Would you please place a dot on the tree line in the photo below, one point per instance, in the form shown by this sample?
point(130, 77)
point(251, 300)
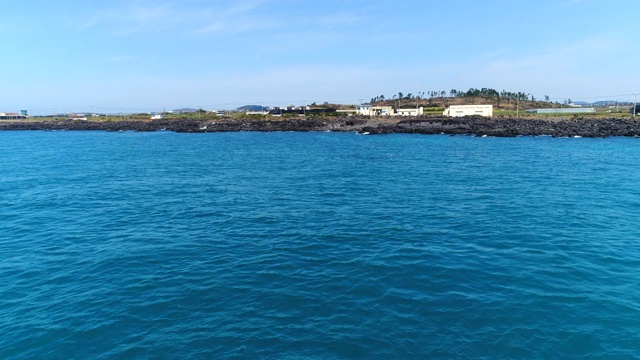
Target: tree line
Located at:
point(486, 93)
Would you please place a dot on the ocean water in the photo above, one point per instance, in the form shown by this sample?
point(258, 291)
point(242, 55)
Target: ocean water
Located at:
point(318, 246)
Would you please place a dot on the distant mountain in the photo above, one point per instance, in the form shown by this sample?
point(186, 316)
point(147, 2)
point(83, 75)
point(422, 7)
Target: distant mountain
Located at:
point(253, 108)
point(184, 110)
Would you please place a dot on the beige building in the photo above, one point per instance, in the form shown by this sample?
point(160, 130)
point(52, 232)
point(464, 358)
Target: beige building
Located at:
point(468, 110)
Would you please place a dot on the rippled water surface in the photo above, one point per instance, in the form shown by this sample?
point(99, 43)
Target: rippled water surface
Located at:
point(317, 245)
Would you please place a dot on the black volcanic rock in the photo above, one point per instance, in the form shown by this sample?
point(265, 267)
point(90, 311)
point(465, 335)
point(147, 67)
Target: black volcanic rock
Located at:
point(500, 127)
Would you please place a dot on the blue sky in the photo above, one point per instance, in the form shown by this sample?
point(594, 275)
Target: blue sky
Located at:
point(151, 55)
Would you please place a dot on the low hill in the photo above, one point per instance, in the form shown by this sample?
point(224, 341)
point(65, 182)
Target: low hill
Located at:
point(253, 108)
point(503, 104)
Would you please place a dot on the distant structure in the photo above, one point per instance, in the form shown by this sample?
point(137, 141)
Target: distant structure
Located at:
point(74, 116)
point(11, 116)
point(254, 109)
point(468, 110)
point(257, 112)
point(573, 110)
point(156, 117)
point(303, 110)
point(370, 110)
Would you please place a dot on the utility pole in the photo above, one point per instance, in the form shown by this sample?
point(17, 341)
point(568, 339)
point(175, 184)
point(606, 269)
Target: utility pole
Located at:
point(634, 103)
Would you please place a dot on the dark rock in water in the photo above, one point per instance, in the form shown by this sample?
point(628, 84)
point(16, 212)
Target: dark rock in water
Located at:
point(498, 127)
point(509, 127)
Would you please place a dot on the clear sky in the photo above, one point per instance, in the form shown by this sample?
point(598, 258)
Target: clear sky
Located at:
point(163, 54)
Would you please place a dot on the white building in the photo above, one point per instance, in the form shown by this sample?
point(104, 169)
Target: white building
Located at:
point(468, 110)
point(410, 111)
point(370, 110)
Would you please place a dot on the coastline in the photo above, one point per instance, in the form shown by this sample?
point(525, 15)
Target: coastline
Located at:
point(478, 126)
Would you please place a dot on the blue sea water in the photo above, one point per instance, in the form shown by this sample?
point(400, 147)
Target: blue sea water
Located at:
point(318, 246)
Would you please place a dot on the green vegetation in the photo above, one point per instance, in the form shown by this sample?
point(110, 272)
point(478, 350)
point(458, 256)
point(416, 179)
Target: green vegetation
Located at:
point(434, 110)
point(505, 103)
point(486, 95)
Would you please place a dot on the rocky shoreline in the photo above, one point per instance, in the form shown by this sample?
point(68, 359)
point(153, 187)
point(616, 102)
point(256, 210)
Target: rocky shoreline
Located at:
point(478, 126)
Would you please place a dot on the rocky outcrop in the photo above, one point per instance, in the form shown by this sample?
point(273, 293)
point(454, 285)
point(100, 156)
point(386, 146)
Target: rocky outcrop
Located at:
point(479, 126)
point(509, 127)
point(193, 125)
